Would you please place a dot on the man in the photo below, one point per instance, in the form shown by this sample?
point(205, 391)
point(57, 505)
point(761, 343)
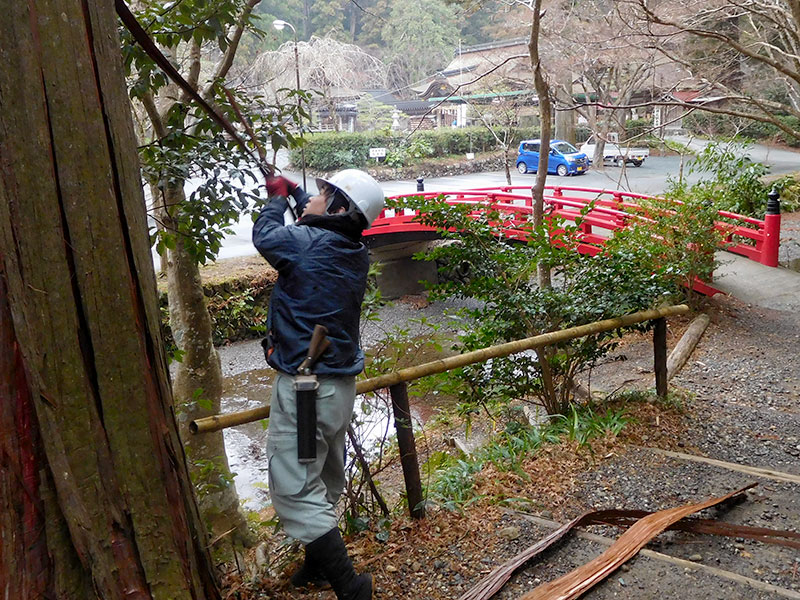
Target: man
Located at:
point(322, 275)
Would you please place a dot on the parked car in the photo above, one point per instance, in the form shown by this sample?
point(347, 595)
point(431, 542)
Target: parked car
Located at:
point(616, 154)
point(565, 159)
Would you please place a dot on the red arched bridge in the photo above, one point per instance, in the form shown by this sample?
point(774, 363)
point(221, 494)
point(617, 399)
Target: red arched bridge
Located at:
point(604, 212)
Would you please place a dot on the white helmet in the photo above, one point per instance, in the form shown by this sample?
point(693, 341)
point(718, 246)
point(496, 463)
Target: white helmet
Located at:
point(361, 189)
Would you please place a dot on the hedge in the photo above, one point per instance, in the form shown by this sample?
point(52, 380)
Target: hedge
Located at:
point(238, 305)
point(331, 151)
point(704, 123)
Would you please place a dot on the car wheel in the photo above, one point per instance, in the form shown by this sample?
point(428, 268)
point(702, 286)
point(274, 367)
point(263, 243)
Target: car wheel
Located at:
point(619, 161)
point(637, 163)
point(522, 167)
point(562, 170)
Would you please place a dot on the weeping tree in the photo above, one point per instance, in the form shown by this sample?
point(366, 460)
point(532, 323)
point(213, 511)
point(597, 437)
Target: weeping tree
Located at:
point(96, 499)
point(329, 69)
point(181, 143)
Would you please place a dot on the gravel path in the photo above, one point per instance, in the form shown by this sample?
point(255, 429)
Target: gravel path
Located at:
point(745, 382)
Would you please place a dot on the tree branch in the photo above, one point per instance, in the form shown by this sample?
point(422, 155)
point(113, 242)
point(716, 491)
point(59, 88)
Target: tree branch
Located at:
point(230, 52)
point(149, 103)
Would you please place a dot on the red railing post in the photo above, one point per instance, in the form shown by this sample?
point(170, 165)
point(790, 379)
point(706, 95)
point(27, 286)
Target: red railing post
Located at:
point(772, 230)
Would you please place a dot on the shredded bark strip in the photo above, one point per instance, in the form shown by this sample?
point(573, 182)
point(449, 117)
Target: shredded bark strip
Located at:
point(644, 527)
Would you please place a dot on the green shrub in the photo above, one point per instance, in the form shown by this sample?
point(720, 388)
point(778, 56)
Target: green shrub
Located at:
point(729, 180)
point(582, 133)
point(332, 151)
point(637, 128)
point(789, 189)
point(511, 306)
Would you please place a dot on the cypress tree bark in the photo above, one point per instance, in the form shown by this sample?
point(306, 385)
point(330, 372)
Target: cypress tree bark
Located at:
point(96, 499)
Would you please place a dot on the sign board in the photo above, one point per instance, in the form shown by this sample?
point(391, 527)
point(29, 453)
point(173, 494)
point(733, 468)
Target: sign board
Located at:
point(377, 152)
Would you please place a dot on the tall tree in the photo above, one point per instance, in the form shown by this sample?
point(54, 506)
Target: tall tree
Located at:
point(422, 35)
point(96, 500)
point(760, 38)
point(600, 58)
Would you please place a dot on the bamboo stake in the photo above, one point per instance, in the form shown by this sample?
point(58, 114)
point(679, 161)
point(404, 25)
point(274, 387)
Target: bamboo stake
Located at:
point(501, 350)
point(686, 345)
point(217, 422)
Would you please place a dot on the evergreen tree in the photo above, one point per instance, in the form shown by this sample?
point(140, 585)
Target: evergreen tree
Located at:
point(422, 35)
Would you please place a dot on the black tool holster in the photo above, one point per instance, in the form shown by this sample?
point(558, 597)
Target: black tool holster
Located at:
point(306, 387)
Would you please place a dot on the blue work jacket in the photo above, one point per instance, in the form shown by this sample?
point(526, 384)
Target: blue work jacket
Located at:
point(322, 277)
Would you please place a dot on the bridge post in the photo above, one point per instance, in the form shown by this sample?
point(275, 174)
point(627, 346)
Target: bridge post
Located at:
point(772, 230)
point(420, 184)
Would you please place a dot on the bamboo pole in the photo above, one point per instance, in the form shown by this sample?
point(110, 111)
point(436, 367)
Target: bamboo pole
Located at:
point(217, 422)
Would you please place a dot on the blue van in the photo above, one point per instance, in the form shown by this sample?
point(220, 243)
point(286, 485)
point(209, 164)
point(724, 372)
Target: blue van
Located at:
point(565, 159)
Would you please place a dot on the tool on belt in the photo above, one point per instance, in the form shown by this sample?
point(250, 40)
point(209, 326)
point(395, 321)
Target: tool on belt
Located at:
point(305, 390)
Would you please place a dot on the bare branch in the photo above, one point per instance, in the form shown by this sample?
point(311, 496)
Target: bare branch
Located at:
point(233, 45)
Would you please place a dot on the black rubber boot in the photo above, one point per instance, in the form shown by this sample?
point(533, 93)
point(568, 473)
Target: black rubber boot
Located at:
point(308, 575)
point(329, 553)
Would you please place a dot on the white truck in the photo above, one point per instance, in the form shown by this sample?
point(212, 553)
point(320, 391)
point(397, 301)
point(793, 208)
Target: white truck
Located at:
point(616, 154)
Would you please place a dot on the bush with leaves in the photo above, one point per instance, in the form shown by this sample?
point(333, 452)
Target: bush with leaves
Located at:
point(677, 241)
point(729, 180)
point(511, 306)
point(330, 151)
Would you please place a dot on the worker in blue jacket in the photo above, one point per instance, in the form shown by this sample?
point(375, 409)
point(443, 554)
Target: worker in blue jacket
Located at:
point(322, 269)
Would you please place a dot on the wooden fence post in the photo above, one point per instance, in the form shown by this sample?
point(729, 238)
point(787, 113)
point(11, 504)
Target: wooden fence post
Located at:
point(408, 449)
point(660, 356)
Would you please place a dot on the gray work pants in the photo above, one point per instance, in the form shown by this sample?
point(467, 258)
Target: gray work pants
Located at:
point(304, 495)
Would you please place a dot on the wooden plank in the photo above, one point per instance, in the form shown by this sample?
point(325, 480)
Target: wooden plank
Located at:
point(757, 471)
point(580, 580)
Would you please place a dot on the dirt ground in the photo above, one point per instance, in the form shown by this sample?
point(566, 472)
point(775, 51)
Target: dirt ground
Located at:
point(742, 390)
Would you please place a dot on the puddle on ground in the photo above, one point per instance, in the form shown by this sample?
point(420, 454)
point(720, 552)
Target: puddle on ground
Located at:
point(246, 444)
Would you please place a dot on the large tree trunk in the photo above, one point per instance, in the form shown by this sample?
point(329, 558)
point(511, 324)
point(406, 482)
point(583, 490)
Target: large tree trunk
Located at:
point(197, 387)
point(97, 501)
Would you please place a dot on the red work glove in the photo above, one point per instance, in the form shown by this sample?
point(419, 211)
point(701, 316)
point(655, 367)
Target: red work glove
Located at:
point(280, 186)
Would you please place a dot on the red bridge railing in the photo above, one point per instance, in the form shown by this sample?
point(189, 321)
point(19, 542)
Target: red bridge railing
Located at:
point(756, 239)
